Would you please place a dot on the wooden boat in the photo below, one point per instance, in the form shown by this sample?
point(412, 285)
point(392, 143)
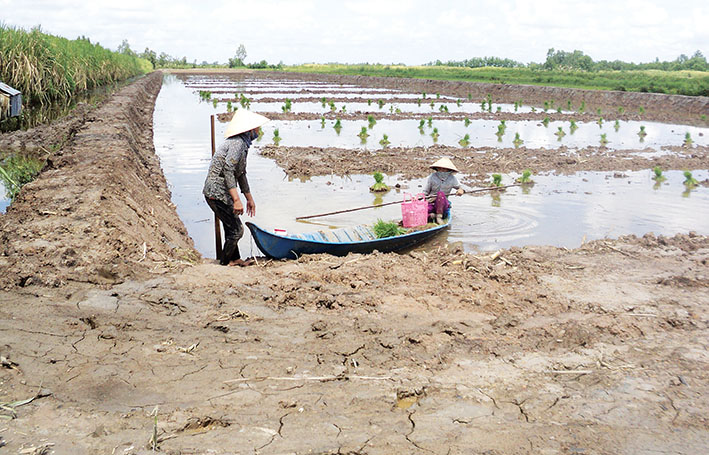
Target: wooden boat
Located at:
point(338, 242)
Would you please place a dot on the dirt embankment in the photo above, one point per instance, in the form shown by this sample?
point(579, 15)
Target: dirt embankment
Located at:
point(100, 210)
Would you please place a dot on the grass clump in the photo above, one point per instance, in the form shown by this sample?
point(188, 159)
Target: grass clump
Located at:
point(16, 171)
point(496, 180)
point(525, 178)
point(435, 135)
point(465, 141)
point(688, 139)
point(287, 106)
point(658, 177)
point(689, 180)
point(337, 126)
point(384, 142)
point(363, 134)
point(384, 229)
point(560, 133)
point(276, 136)
point(380, 103)
point(573, 126)
point(604, 140)
point(371, 121)
point(467, 121)
point(379, 185)
point(518, 140)
point(546, 121)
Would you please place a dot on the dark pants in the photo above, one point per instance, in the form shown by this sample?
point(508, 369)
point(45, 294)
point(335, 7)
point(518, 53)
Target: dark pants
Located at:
point(233, 230)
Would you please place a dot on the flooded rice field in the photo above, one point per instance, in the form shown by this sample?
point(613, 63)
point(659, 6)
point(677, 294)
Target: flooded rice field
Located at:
point(557, 210)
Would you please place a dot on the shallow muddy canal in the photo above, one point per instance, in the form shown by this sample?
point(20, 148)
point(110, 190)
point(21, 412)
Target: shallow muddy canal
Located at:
point(557, 210)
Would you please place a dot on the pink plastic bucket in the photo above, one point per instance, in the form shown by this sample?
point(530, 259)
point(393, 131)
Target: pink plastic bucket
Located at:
point(414, 211)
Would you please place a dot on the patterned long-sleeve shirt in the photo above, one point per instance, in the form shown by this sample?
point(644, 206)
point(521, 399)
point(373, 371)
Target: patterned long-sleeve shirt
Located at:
point(440, 181)
point(228, 168)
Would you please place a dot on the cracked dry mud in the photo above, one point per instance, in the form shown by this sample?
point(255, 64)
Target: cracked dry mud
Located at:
point(597, 350)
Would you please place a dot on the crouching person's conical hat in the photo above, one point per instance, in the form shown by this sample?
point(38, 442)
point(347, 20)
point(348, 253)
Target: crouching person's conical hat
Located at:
point(244, 120)
point(445, 163)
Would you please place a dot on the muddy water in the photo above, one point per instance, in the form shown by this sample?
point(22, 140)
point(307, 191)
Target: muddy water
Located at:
point(562, 211)
point(406, 133)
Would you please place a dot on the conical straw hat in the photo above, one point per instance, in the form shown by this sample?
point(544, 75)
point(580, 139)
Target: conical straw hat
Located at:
point(445, 163)
point(244, 120)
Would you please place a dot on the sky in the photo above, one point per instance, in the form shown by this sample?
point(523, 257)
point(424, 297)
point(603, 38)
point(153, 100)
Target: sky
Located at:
point(377, 31)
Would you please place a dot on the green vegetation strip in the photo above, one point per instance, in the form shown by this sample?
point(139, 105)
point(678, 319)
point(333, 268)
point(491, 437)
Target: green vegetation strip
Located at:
point(16, 171)
point(691, 83)
point(46, 67)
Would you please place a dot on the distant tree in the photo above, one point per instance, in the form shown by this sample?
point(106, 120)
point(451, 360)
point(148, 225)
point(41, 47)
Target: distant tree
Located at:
point(239, 57)
point(149, 55)
point(124, 48)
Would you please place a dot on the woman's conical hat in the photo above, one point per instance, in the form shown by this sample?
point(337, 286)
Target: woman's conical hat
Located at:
point(445, 163)
point(244, 120)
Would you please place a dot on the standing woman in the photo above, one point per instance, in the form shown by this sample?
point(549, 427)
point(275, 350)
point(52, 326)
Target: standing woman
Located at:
point(227, 169)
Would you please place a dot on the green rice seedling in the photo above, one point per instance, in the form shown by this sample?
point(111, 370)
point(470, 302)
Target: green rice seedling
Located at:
point(534, 109)
point(338, 126)
point(430, 121)
point(546, 105)
point(276, 136)
point(438, 96)
point(434, 135)
point(616, 125)
point(483, 105)
point(418, 101)
point(324, 101)
point(604, 140)
point(518, 140)
point(384, 229)
point(546, 120)
point(363, 134)
point(642, 133)
point(228, 106)
point(689, 180)
point(558, 110)
point(333, 108)
point(598, 111)
point(641, 110)
point(260, 135)
point(560, 133)
point(658, 177)
point(443, 108)
point(391, 109)
point(467, 121)
point(214, 103)
point(458, 102)
point(322, 122)
point(573, 126)
point(397, 111)
point(433, 104)
point(422, 123)
point(371, 121)
point(369, 102)
point(489, 100)
point(384, 142)
point(688, 139)
point(423, 95)
point(499, 109)
point(379, 185)
point(621, 110)
point(582, 108)
point(205, 95)
point(287, 106)
point(525, 178)
point(380, 103)
point(470, 96)
point(343, 109)
point(600, 121)
point(516, 106)
point(496, 180)
point(465, 141)
point(568, 106)
point(703, 117)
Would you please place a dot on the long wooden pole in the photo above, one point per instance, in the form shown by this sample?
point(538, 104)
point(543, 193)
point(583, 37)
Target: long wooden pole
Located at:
point(217, 228)
point(479, 190)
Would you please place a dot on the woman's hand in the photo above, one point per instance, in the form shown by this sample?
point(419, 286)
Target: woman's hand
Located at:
point(238, 207)
point(460, 192)
point(251, 208)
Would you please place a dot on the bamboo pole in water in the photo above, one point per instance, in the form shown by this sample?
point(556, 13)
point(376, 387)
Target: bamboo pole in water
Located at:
point(217, 229)
point(479, 190)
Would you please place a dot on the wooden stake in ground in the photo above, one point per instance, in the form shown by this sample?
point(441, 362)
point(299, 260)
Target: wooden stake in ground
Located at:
point(217, 229)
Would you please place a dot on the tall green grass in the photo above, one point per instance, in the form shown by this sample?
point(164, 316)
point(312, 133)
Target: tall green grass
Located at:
point(46, 67)
point(691, 83)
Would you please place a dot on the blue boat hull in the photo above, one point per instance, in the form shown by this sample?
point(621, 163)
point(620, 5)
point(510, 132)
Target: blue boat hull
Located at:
point(282, 247)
